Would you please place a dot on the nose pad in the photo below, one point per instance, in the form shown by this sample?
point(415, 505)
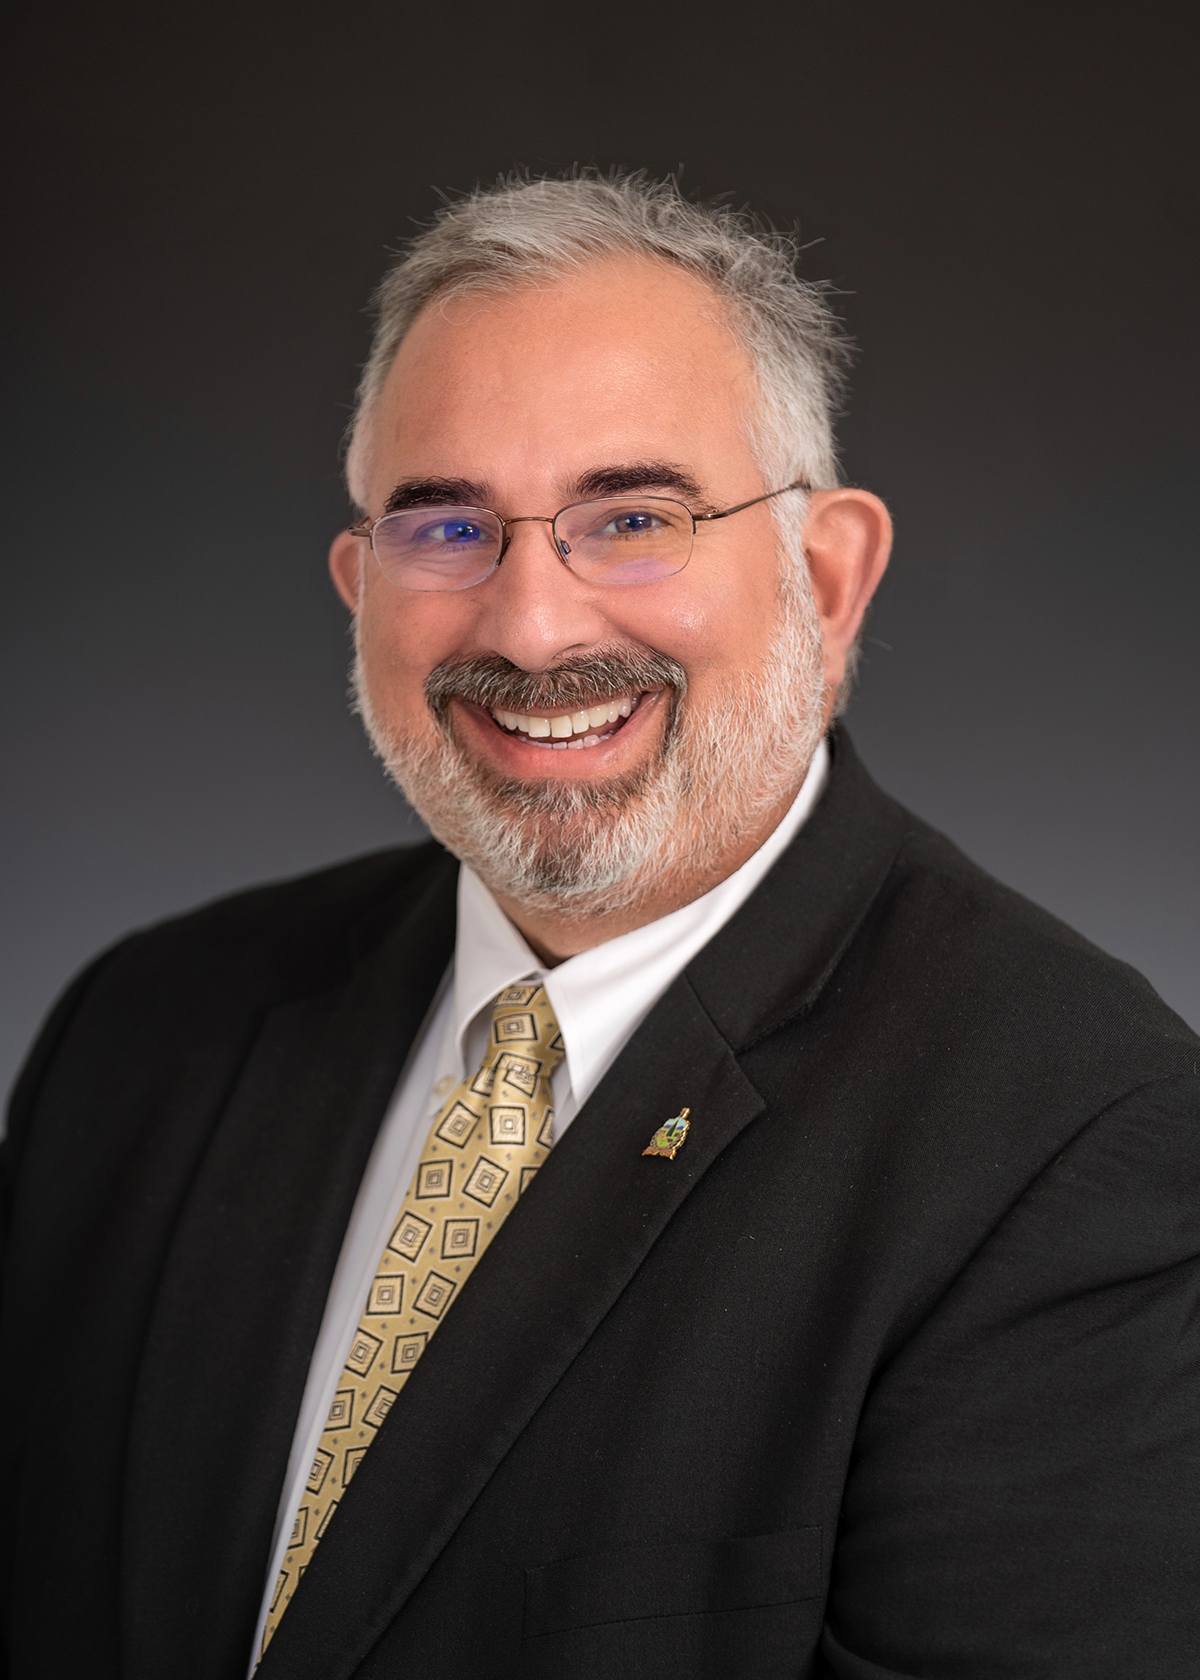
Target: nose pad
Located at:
point(561, 549)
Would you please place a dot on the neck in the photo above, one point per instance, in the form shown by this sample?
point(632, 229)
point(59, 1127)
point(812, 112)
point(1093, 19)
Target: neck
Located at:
point(554, 934)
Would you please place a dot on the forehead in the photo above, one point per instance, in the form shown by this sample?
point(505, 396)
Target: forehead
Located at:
point(624, 356)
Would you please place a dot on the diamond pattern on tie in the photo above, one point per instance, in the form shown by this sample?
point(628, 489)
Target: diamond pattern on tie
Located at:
point(486, 1143)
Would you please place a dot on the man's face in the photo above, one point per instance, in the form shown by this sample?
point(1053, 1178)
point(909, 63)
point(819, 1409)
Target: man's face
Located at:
point(529, 401)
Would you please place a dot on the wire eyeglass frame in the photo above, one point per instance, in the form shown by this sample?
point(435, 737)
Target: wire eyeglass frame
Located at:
point(368, 527)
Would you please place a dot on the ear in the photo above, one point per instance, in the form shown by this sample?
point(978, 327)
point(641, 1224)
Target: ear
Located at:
point(345, 567)
point(847, 539)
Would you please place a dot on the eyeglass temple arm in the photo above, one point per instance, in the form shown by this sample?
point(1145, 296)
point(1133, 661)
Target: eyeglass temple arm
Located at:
point(366, 524)
point(800, 484)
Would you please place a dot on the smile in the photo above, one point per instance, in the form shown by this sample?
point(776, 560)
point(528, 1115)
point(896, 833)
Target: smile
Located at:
point(587, 727)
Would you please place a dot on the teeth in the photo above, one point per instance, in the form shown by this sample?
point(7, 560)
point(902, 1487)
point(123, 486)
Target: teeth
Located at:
point(573, 729)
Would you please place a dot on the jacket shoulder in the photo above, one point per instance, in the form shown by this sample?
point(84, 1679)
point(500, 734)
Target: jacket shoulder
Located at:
point(242, 953)
point(283, 937)
point(980, 952)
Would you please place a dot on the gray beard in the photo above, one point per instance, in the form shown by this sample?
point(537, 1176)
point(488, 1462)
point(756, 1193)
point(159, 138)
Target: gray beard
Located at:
point(591, 848)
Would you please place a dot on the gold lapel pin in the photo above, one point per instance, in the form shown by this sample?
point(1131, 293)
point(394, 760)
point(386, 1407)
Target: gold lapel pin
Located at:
point(670, 1136)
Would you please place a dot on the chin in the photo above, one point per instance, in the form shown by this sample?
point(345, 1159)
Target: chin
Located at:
point(576, 846)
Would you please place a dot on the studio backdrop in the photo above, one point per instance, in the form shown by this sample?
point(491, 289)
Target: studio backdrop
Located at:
point(201, 201)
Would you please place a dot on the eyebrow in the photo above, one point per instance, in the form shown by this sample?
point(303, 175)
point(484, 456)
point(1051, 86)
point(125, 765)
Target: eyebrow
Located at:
point(435, 492)
point(619, 479)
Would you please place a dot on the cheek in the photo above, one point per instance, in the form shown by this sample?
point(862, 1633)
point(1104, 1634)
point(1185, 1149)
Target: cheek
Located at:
point(400, 644)
point(715, 624)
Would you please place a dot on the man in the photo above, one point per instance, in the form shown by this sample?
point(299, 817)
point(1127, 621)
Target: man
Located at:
point(711, 1230)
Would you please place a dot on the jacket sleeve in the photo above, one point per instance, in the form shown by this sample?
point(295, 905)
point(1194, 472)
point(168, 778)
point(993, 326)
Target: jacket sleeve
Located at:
point(1024, 1498)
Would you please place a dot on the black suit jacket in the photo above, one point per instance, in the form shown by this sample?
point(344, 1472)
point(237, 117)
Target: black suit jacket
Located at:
point(893, 1371)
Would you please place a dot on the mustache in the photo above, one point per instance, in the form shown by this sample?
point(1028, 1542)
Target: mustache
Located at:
point(494, 682)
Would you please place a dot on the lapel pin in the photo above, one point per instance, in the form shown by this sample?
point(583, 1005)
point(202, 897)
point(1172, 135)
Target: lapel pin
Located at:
point(669, 1136)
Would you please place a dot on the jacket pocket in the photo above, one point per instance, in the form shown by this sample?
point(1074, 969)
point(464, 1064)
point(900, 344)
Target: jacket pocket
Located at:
point(688, 1577)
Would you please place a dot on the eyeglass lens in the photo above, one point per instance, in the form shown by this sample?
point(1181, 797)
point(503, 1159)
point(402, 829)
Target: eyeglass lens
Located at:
point(620, 539)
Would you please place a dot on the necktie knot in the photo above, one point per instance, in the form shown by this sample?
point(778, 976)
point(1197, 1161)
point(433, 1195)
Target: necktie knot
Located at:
point(524, 1046)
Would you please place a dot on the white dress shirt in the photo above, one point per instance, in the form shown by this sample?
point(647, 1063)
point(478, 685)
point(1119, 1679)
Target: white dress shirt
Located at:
point(599, 997)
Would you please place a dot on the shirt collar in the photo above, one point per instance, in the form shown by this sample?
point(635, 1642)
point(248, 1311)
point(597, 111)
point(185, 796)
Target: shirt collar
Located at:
point(489, 954)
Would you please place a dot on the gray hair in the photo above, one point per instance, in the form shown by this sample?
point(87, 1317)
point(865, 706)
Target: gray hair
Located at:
point(524, 231)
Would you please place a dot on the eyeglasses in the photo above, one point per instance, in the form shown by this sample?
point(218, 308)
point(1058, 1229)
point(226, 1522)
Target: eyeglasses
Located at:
point(612, 539)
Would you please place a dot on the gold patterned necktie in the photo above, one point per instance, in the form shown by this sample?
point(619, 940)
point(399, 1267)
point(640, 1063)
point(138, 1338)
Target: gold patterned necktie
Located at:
point(487, 1141)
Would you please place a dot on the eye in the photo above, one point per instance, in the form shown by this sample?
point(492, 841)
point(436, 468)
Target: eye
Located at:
point(449, 533)
point(632, 522)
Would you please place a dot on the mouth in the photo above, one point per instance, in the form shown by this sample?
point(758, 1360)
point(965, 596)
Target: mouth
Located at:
point(588, 726)
point(611, 710)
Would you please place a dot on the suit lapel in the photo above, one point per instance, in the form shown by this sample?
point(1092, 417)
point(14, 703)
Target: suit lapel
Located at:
point(571, 1246)
point(242, 1294)
point(772, 960)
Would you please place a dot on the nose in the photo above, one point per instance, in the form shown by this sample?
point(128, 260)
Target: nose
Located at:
point(535, 608)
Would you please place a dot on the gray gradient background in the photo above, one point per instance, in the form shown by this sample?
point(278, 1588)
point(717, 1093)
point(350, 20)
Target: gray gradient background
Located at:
point(202, 199)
